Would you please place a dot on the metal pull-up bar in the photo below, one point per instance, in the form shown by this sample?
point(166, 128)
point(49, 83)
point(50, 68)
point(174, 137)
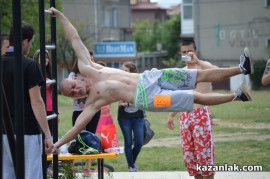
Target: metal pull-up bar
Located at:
point(53, 81)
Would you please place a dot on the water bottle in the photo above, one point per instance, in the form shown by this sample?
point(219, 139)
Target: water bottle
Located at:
point(114, 150)
point(64, 149)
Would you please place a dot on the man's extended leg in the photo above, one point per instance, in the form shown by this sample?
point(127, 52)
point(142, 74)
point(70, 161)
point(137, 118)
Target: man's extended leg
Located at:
point(219, 74)
point(241, 94)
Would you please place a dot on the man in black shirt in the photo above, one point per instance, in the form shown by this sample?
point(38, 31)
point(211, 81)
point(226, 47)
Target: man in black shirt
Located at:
point(34, 108)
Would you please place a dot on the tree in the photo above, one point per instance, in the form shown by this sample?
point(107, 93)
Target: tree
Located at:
point(64, 49)
point(29, 14)
point(148, 34)
point(171, 36)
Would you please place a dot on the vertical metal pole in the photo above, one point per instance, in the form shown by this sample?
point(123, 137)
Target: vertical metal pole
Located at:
point(19, 88)
point(96, 20)
point(196, 7)
point(54, 90)
point(1, 106)
point(43, 71)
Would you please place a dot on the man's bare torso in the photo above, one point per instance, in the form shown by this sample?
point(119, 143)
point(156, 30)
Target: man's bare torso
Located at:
point(203, 87)
point(110, 85)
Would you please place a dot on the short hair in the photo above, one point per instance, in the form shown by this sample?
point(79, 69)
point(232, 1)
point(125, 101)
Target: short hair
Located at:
point(61, 86)
point(131, 66)
point(27, 32)
point(188, 42)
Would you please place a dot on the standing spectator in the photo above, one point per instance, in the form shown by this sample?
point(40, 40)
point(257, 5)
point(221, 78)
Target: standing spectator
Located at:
point(4, 43)
point(131, 121)
point(266, 74)
point(78, 106)
point(34, 108)
point(195, 125)
point(49, 105)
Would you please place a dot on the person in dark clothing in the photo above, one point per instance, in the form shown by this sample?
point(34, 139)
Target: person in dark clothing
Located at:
point(34, 108)
point(131, 122)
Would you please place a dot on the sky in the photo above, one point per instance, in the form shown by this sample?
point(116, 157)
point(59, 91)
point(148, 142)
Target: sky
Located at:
point(167, 3)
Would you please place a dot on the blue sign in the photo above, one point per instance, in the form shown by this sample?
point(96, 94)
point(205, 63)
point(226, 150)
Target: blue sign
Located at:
point(115, 49)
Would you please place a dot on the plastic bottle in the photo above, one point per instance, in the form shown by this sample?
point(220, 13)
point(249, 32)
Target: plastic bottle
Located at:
point(64, 149)
point(115, 150)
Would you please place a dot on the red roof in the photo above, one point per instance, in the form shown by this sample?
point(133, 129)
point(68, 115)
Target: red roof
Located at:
point(146, 6)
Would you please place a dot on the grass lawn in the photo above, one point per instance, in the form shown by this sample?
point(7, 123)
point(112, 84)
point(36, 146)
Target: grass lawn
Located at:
point(245, 152)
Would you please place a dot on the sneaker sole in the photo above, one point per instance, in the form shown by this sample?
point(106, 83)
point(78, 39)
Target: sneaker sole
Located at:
point(244, 89)
point(247, 54)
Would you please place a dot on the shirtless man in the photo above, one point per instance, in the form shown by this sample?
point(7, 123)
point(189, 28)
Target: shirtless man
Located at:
point(195, 126)
point(155, 90)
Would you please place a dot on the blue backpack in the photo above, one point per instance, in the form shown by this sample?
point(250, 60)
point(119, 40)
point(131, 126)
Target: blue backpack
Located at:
point(85, 143)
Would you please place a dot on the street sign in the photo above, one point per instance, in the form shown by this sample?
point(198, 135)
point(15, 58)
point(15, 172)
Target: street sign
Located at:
point(115, 49)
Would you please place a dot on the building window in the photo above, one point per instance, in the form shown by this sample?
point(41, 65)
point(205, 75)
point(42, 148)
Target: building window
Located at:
point(268, 43)
point(106, 17)
point(187, 9)
point(267, 3)
point(157, 16)
point(115, 16)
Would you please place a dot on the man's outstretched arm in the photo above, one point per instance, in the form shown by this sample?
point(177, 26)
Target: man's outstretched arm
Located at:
point(74, 38)
point(83, 119)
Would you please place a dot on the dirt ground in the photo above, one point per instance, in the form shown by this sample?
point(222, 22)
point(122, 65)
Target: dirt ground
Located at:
point(221, 137)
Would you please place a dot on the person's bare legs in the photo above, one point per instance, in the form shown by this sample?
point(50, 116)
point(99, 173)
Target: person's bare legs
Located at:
point(219, 74)
point(216, 74)
point(212, 98)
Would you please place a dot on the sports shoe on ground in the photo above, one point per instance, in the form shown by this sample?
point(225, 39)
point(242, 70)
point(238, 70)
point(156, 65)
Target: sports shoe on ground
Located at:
point(246, 63)
point(132, 169)
point(136, 166)
point(86, 172)
point(242, 93)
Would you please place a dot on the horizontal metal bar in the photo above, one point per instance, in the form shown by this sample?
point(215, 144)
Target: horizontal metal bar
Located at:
point(50, 47)
point(51, 81)
point(52, 116)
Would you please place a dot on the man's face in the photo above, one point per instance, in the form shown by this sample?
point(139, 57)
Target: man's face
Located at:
point(184, 49)
point(74, 88)
point(4, 47)
point(27, 45)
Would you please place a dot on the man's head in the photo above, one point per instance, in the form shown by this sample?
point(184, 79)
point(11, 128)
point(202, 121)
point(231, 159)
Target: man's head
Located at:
point(73, 88)
point(129, 67)
point(28, 34)
point(188, 46)
point(4, 43)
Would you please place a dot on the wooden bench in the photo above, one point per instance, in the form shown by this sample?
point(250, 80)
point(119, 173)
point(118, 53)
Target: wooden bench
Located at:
point(99, 157)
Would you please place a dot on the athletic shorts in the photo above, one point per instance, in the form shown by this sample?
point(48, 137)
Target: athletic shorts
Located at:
point(32, 158)
point(197, 140)
point(166, 90)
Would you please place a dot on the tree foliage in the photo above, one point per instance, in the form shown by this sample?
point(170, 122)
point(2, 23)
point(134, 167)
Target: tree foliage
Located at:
point(29, 14)
point(148, 34)
point(64, 49)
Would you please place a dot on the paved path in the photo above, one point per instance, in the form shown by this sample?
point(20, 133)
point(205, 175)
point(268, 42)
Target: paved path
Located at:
point(180, 175)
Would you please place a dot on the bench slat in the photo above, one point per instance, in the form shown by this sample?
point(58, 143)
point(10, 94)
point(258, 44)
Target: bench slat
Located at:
point(81, 157)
